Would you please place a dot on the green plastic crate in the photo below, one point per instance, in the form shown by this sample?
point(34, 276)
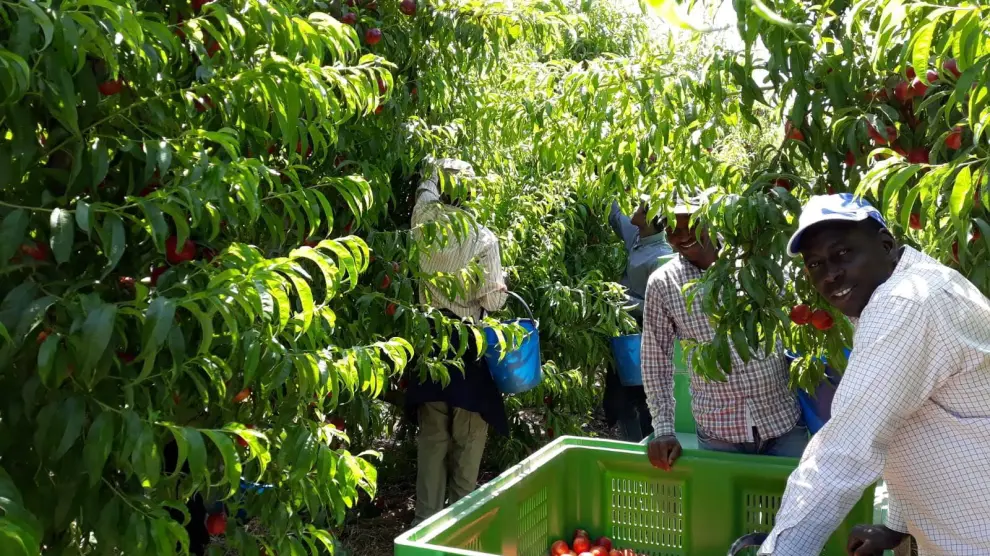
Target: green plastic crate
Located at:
point(609, 488)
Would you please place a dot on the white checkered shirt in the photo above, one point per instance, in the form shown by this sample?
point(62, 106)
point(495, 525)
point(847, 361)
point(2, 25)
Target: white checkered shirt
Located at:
point(914, 406)
point(480, 245)
point(756, 393)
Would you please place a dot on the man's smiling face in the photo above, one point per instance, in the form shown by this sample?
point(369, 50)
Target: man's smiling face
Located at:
point(848, 261)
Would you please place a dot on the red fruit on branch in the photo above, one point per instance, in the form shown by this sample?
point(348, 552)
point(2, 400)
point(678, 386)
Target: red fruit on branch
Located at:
point(952, 67)
point(197, 5)
point(241, 396)
point(408, 7)
point(338, 423)
point(156, 273)
point(918, 155)
point(174, 255)
point(212, 47)
point(125, 357)
point(793, 132)
point(382, 89)
point(782, 183)
point(36, 250)
point(878, 138)
point(915, 221)
point(350, 18)
point(126, 282)
point(821, 319)
point(216, 524)
point(386, 282)
point(903, 92)
point(204, 104)
point(931, 76)
point(395, 267)
point(900, 150)
point(42, 336)
point(850, 158)
point(954, 139)
point(309, 149)
point(379, 109)
point(801, 314)
point(909, 73)
point(390, 309)
point(240, 439)
point(373, 36)
point(110, 88)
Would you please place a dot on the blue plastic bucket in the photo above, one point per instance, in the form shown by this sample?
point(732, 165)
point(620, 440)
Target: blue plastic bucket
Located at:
point(625, 349)
point(817, 409)
point(521, 369)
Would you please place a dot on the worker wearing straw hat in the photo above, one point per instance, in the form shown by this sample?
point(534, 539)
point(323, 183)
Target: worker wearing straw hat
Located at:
point(453, 419)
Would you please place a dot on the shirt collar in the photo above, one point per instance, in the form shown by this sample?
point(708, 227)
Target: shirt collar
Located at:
point(650, 240)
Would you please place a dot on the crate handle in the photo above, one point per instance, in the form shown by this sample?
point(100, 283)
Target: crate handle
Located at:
point(747, 541)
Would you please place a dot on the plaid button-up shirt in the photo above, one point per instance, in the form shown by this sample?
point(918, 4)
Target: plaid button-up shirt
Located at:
point(756, 393)
point(914, 406)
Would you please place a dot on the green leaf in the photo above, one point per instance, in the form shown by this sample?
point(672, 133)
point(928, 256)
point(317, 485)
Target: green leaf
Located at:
point(962, 194)
point(922, 48)
point(231, 462)
point(99, 443)
point(115, 242)
point(72, 413)
point(197, 455)
point(12, 233)
point(46, 357)
point(769, 15)
point(158, 321)
point(96, 333)
point(62, 234)
point(42, 19)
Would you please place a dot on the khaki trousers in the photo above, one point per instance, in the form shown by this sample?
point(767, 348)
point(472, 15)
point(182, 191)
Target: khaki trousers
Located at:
point(450, 444)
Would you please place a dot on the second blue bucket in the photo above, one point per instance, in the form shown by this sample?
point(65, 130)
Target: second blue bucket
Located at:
point(625, 349)
point(522, 368)
point(817, 409)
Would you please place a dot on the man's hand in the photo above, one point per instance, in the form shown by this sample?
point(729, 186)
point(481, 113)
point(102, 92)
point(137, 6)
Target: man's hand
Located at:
point(872, 540)
point(664, 451)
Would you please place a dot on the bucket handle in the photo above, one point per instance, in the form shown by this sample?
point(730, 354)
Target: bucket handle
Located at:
point(524, 304)
point(747, 541)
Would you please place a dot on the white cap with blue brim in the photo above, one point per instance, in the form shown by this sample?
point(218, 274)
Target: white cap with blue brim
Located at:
point(829, 208)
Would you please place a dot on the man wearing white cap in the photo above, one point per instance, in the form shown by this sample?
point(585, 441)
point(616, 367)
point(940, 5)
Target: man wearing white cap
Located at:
point(753, 411)
point(913, 405)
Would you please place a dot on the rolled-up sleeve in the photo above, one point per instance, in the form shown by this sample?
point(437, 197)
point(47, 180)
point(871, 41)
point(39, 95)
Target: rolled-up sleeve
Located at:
point(622, 225)
point(656, 357)
point(890, 375)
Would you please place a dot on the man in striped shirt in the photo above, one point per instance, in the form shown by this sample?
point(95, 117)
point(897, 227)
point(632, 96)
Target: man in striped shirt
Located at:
point(453, 420)
point(753, 411)
point(914, 402)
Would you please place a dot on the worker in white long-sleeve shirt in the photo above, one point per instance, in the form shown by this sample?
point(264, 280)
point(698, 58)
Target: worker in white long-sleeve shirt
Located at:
point(454, 419)
point(913, 405)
